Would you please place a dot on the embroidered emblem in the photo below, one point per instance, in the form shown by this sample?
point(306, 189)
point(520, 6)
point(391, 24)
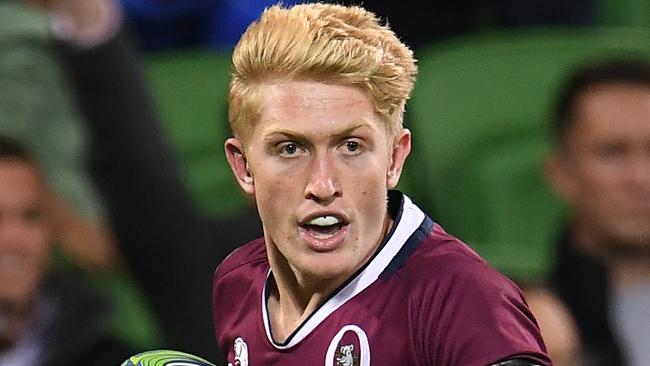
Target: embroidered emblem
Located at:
point(349, 347)
point(241, 353)
point(344, 356)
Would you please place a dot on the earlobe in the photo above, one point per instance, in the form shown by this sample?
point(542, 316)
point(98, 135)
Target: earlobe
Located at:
point(401, 150)
point(239, 164)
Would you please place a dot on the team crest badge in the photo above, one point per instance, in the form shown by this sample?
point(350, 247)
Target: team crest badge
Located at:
point(345, 356)
point(349, 347)
point(241, 353)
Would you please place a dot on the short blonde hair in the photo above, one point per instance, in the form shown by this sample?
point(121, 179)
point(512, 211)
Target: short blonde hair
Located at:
point(344, 45)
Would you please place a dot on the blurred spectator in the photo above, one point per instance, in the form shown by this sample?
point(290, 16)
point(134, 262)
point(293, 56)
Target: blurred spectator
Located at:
point(161, 25)
point(601, 168)
point(169, 247)
point(47, 318)
point(37, 107)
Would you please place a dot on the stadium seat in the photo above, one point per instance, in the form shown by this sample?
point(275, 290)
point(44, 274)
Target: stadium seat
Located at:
point(190, 90)
point(479, 114)
point(628, 13)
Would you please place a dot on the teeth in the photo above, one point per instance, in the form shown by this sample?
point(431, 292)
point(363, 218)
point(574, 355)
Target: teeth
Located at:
point(324, 221)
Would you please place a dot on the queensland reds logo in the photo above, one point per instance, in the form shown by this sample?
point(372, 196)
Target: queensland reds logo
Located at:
point(349, 347)
point(240, 349)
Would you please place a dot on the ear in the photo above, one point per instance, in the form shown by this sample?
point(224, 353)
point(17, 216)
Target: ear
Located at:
point(401, 150)
point(558, 172)
point(239, 164)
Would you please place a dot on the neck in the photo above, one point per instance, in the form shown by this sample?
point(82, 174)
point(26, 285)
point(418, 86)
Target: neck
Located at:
point(629, 273)
point(294, 296)
point(628, 263)
point(287, 311)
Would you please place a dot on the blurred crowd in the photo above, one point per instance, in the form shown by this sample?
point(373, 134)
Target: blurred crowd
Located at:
point(105, 250)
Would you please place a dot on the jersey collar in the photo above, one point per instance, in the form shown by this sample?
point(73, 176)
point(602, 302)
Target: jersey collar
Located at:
point(402, 239)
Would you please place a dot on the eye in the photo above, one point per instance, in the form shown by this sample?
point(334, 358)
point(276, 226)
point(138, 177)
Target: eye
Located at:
point(352, 146)
point(289, 148)
point(32, 215)
point(611, 151)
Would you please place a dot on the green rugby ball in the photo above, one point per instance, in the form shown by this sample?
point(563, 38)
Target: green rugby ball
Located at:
point(165, 358)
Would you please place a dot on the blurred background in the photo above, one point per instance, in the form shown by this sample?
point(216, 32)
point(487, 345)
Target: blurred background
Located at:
point(122, 105)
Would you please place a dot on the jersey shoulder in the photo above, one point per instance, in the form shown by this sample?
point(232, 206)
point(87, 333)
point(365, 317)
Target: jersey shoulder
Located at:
point(440, 251)
point(448, 260)
point(458, 298)
point(250, 254)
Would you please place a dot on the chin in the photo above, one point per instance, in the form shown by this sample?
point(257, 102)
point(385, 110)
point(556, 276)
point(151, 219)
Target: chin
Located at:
point(634, 233)
point(326, 269)
point(16, 298)
point(630, 241)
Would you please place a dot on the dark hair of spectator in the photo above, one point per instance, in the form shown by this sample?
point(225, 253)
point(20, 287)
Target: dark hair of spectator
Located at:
point(11, 149)
point(628, 71)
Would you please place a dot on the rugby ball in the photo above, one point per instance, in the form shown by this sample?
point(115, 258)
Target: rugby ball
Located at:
point(165, 358)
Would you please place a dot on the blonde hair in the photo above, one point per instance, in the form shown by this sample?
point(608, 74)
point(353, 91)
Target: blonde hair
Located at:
point(344, 45)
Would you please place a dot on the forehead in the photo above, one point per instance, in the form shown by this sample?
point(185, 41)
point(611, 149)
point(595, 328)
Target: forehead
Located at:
point(614, 112)
point(314, 105)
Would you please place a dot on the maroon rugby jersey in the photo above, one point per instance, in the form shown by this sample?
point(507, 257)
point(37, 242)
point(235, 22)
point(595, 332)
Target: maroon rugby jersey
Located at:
point(424, 298)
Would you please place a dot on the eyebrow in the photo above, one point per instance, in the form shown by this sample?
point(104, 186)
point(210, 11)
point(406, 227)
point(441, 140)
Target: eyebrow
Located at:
point(300, 137)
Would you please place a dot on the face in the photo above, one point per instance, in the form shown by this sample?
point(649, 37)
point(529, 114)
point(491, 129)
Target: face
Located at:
point(23, 234)
point(319, 163)
point(605, 173)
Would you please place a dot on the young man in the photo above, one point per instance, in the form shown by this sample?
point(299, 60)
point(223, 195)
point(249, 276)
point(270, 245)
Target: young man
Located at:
point(349, 272)
point(601, 168)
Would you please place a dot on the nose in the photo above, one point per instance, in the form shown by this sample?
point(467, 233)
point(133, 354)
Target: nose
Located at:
point(640, 170)
point(322, 185)
point(638, 175)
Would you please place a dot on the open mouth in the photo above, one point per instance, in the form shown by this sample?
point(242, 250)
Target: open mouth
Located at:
point(324, 231)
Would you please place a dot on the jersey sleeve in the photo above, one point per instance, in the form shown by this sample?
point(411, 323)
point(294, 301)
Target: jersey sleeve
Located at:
point(476, 316)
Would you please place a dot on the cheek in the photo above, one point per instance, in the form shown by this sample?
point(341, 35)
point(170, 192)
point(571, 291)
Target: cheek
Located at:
point(599, 192)
point(38, 243)
point(369, 171)
point(368, 182)
point(596, 179)
point(273, 196)
point(604, 187)
point(603, 172)
point(372, 201)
